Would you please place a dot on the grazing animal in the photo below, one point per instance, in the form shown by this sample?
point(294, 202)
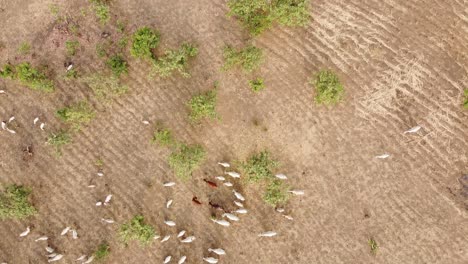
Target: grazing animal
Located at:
point(2, 91)
point(167, 259)
point(181, 233)
point(170, 223)
point(268, 234)
point(166, 238)
point(49, 249)
point(238, 195)
point(281, 176)
point(168, 204)
point(216, 206)
point(69, 67)
point(145, 122)
point(74, 234)
point(25, 233)
point(189, 239)
point(65, 230)
point(217, 251)
point(228, 184)
point(195, 201)
point(210, 183)
point(169, 184)
point(57, 257)
point(412, 130)
point(288, 217)
point(91, 186)
point(224, 164)
point(156, 237)
point(11, 131)
point(383, 156)
point(221, 178)
point(233, 174)
point(109, 221)
point(3, 125)
point(89, 260)
point(98, 203)
point(107, 200)
point(35, 120)
point(41, 238)
point(241, 211)
point(52, 255)
point(280, 210)
point(81, 258)
point(11, 119)
point(100, 174)
point(238, 204)
point(42, 126)
point(297, 192)
point(182, 259)
point(231, 217)
point(211, 260)
point(221, 222)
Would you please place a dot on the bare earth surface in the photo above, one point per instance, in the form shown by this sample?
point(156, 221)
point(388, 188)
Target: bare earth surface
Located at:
point(403, 63)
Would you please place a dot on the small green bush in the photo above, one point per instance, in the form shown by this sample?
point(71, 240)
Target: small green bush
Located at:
point(102, 252)
point(259, 167)
point(71, 47)
point(373, 245)
point(249, 58)
point(58, 140)
point(144, 40)
point(24, 48)
point(465, 100)
point(257, 85)
point(291, 12)
point(136, 229)
point(329, 90)
point(203, 106)
point(71, 74)
point(175, 60)
point(276, 193)
point(121, 26)
point(117, 64)
point(33, 78)
point(186, 160)
point(105, 88)
point(163, 137)
point(14, 203)
point(8, 71)
point(76, 114)
point(102, 11)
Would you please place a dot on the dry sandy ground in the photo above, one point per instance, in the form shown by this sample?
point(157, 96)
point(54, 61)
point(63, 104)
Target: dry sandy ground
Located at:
point(403, 63)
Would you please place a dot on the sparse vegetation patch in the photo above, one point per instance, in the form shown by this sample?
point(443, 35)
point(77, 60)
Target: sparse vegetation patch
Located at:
point(276, 193)
point(24, 48)
point(373, 246)
point(117, 64)
point(257, 85)
point(203, 106)
point(71, 47)
point(14, 203)
point(105, 88)
point(465, 99)
point(58, 140)
point(144, 40)
point(259, 166)
point(186, 159)
point(102, 251)
point(136, 229)
point(76, 114)
point(329, 90)
point(175, 60)
point(248, 58)
point(102, 10)
point(33, 78)
point(163, 137)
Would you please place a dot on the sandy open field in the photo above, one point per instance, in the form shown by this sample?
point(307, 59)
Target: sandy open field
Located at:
point(403, 63)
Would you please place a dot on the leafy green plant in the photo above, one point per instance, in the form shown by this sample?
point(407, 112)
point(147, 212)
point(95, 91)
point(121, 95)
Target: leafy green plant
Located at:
point(248, 58)
point(121, 26)
point(373, 245)
point(329, 90)
point(71, 47)
point(102, 11)
point(14, 203)
point(203, 106)
point(58, 140)
point(71, 74)
point(99, 162)
point(105, 88)
point(465, 100)
point(259, 15)
point(175, 60)
point(144, 40)
point(33, 78)
point(102, 251)
point(76, 114)
point(117, 64)
point(186, 160)
point(24, 48)
point(259, 167)
point(276, 193)
point(257, 85)
point(8, 71)
point(136, 229)
point(163, 137)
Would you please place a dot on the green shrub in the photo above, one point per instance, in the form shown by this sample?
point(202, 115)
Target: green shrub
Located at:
point(186, 160)
point(248, 58)
point(465, 100)
point(259, 15)
point(58, 140)
point(136, 229)
point(102, 251)
point(101, 9)
point(8, 71)
point(105, 88)
point(373, 246)
point(71, 74)
point(71, 47)
point(117, 64)
point(163, 137)
point(24, 48)
point(144, 40)
point(259, 167)
point(14, 203)
point(33, 78)
point(203, 106)
point(276, 193)
point(257, 85)
point(76, 114)
point(121, 26)
point(329, 90)
point(175, 60)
